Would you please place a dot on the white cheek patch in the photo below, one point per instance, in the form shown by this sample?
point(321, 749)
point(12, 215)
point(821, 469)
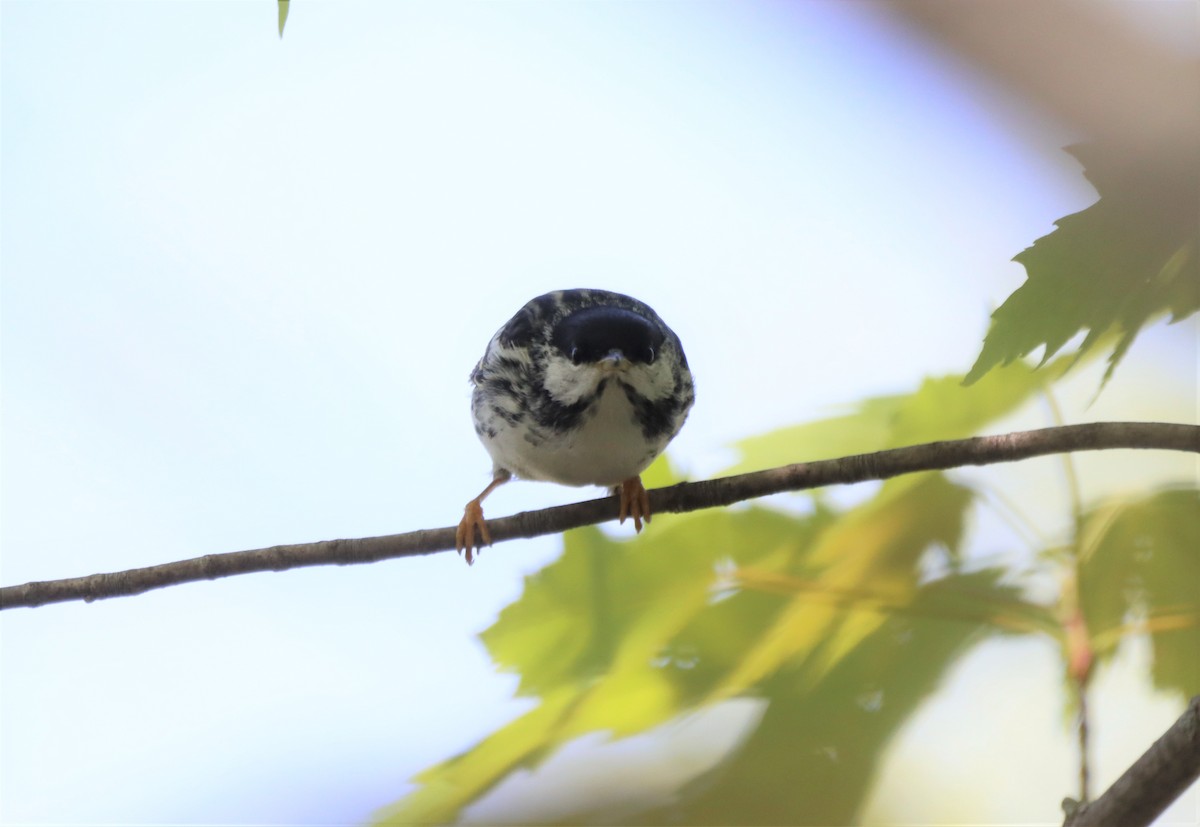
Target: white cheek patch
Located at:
point(654, 382)
point(567, 383)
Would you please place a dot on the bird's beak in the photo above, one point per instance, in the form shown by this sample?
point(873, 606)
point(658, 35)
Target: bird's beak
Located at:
point(613, 361)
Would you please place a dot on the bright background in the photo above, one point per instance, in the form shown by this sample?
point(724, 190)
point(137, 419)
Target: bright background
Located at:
point(244, 280)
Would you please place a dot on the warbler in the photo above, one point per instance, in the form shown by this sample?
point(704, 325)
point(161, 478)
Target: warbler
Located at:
point(580, 387)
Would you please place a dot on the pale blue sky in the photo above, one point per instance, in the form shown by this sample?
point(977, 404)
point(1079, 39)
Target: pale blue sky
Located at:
point(244, 281)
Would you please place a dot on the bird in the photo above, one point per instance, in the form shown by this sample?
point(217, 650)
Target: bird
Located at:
point(580, 387)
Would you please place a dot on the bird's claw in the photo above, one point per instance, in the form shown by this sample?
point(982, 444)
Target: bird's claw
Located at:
point(464, 536)
point(635, 502)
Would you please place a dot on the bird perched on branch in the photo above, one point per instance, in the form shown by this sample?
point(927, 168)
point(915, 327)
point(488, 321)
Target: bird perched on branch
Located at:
point(580, 387)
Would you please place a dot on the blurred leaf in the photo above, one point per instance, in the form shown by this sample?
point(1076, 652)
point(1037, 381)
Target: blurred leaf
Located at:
point(815, 752)
point(661, 473)
point(620, 637)
point(447, 787)
point(591, 636)
point(866, 561)
point(1130, 257)
point(1141, 573)
point(942, 408)
point(586, 613)
point(283, 13)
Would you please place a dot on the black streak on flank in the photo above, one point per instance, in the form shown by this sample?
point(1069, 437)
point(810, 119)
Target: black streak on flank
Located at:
point(656, 418)
point(555, 416)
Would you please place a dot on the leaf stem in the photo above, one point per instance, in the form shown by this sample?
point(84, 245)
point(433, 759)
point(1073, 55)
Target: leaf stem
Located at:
point(1079, 653)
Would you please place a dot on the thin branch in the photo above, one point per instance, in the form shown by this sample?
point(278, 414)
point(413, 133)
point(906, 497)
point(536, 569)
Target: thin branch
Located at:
point(1153, 782)
point(675, 499)
point(1084, 732)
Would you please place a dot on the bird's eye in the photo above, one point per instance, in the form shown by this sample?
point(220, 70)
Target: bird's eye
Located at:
point(576, 358)
point(650, 354)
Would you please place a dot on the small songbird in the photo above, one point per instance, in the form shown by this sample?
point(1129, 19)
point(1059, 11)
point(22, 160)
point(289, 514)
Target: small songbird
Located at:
point(580, 387)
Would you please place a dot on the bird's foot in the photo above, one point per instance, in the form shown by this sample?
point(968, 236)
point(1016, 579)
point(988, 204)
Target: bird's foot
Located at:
point(635, 502)
point(464, 537)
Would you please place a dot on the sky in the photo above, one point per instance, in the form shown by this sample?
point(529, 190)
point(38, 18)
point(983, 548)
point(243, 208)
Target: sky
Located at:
point(243, 280)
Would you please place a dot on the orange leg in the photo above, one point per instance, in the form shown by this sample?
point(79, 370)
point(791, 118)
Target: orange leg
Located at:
point(635, 502)
point(464, 537)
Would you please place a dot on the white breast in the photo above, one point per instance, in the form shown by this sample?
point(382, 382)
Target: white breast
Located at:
point(605, 450)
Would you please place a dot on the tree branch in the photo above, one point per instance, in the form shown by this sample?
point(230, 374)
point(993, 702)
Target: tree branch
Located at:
point(677, 498)
point(1154, 781)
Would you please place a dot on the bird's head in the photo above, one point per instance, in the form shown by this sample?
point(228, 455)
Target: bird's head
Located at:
point(602, 342)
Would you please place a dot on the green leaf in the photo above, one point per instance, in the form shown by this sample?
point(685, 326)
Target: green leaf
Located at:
point(817, 749)
point(863, 567)
point(1141, 574)
point(661, 473)
point(620, 637)
point(942, 408)
point(283, 13)
point(577, 617)
point(1132, 256)
point(592, 637)
point(447, 787)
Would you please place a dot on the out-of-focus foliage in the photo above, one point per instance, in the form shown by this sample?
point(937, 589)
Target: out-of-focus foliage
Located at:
point(824, 618)
point(1140, 572)
point(283, 13)
point(840, 623)
point(831, 618)
point(813, 755)
point(867, 559)
point(1130, 257)
point(940, 409)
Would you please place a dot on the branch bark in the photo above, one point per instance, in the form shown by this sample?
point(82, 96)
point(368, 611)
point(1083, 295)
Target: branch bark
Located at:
point(1154, 781)
point(680, 498)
